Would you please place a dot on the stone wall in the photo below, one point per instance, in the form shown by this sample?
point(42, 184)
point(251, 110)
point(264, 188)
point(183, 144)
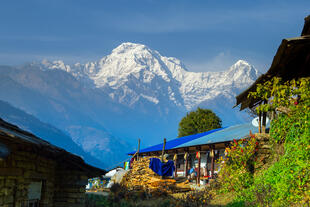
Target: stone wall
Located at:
point(60, 187)
point(19, 170)
point(71, 192)
point(264, 151)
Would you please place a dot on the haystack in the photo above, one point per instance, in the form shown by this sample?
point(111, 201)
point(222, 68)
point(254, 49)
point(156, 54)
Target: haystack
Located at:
point(142, 178)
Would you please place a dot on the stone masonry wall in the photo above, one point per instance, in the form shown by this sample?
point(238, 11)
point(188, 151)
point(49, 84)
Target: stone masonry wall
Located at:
point(264, 151)
point(60, 187)
point(20, 169)
point(71, 188)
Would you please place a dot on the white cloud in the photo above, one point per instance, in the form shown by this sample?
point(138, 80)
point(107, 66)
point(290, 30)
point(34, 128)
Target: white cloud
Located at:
point(222, 61)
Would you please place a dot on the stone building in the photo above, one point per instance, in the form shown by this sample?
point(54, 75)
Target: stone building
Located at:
point(35, 173)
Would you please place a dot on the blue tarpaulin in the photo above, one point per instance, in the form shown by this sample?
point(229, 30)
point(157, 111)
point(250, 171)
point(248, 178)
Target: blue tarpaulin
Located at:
point(161, 168)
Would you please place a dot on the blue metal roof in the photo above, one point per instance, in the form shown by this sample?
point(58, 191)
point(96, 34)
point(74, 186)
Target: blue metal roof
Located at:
point(225, 134)
point(175, 143)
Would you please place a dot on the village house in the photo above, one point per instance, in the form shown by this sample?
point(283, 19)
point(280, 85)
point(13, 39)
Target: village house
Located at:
point(200, 150)
point(35, 173)
point(292, 61)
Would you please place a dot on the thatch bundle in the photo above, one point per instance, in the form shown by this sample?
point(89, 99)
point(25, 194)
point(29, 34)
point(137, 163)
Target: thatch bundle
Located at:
point(142, 178)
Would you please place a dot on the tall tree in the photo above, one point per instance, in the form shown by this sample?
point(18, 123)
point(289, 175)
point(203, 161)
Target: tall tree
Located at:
point(198, 121)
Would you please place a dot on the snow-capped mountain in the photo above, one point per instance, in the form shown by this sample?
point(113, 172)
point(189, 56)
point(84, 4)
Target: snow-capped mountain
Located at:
point(133, 74)
point(134, 92)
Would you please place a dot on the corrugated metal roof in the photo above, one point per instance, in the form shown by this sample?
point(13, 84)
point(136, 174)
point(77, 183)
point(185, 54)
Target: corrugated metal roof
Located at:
point(225, 134)
point(174, 143)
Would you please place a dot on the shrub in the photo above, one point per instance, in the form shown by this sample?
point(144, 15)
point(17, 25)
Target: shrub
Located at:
point(237, 167)
point(287, 181)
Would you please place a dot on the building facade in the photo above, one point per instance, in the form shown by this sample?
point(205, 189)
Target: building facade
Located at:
point(199, 151)
point(35, 173)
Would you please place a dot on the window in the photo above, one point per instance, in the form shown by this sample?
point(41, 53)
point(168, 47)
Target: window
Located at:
point(34, 194)
point(31, 203)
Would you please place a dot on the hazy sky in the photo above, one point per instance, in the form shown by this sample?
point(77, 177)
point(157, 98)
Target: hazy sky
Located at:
point(205, 35)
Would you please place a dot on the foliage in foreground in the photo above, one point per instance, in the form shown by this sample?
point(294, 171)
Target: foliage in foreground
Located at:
point(287, 181)
point(237, 167)
point(198, 121)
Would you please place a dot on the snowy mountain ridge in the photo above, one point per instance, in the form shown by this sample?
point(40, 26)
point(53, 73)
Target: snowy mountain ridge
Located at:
point(134, 92)
point(134, 73)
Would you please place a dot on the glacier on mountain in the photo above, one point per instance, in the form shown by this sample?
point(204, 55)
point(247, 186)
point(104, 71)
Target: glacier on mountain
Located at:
point(134, 92)
point(133, 73)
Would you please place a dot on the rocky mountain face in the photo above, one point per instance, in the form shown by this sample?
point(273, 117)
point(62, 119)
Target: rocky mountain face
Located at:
point(132, 93)
point(133, 74)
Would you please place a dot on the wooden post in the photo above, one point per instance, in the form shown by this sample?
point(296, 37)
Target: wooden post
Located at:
point(138, 149)
point(186, 164)
point(199, 162)
point(212, 162)
point(163, 151)
point(136, 155)
point(207, 169)
point(259, 122)
point(175, 159)
point(264, 120)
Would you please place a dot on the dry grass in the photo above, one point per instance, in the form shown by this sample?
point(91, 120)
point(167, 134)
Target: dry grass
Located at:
point(222, 199)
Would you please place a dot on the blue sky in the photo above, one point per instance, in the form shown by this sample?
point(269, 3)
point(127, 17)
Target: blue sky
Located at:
point(205, 35)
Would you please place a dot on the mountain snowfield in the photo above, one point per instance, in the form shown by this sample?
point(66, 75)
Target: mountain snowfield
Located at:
point(134, 72)
point(106, 105)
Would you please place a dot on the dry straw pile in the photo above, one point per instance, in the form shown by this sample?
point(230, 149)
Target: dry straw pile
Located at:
point(142, 178)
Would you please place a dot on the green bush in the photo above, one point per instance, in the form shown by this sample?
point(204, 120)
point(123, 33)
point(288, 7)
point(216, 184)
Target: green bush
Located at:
point(286, 182)
point(237, 167)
